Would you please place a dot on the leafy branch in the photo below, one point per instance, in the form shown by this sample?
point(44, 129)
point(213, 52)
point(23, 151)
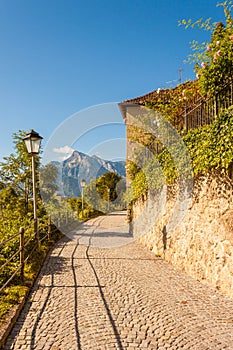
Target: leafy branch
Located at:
point(200, 24)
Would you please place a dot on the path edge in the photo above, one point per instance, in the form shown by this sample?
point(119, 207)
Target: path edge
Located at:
point(14, 313)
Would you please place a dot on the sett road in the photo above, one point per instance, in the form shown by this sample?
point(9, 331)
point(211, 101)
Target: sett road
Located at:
point(95, 293)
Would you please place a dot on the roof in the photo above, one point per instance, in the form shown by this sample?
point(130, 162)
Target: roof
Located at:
point(155, 95)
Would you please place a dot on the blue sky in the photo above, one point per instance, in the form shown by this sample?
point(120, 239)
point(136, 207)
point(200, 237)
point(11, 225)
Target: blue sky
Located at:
point(58, 57)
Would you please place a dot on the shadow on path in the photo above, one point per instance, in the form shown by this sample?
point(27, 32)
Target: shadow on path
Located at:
point(33, 336)
point(114, 327)
point(75, 298)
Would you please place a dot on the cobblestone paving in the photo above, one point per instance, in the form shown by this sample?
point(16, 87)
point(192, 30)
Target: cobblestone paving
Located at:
point(120, 298)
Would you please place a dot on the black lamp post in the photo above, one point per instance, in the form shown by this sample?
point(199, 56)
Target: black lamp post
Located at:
point(83, 184)
point(108, 189)
point(32, 141)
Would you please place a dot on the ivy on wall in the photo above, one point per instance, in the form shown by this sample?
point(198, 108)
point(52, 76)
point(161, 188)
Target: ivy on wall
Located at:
point(210, 148)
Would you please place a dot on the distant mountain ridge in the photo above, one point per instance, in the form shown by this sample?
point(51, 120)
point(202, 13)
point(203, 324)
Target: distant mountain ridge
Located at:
point(82, 166)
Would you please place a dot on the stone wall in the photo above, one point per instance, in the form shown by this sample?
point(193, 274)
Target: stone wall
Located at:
point(202, 241)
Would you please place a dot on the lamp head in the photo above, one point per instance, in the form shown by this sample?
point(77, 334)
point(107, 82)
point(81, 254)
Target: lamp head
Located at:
point(83, 183)
point(32, 141)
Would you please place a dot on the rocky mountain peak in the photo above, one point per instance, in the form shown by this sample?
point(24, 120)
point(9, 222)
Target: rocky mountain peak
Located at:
point(82, 166)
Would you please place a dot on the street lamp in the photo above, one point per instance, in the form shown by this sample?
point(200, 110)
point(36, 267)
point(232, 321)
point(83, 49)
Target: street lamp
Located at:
point(32, 141)
point(108, 189)
point(83, 184)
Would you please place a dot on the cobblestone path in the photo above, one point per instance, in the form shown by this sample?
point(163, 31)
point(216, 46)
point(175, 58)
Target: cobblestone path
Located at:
point(120, 298)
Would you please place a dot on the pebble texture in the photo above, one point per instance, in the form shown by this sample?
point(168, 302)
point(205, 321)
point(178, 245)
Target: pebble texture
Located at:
point(88, 298)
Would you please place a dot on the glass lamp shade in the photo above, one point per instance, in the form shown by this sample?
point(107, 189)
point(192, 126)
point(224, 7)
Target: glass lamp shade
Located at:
point(32, 141)
point(83, 183)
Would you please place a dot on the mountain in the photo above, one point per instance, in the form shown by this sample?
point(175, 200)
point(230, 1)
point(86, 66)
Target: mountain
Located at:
point(82, 166)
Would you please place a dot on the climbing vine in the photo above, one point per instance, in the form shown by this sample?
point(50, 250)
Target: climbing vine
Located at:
point(213, 60)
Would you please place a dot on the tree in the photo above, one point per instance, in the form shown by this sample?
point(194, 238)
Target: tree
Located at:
point(214, 60)
point(16, 183)
point(106, 186)
point(48, 179)
point(16, 168)
point(107, 192)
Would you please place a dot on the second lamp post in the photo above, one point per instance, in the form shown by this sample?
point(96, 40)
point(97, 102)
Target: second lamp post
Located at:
point(83, 184)
point(32, 141)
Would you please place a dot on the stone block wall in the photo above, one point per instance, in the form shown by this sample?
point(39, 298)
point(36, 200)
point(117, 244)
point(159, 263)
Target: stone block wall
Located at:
point(202, 242)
